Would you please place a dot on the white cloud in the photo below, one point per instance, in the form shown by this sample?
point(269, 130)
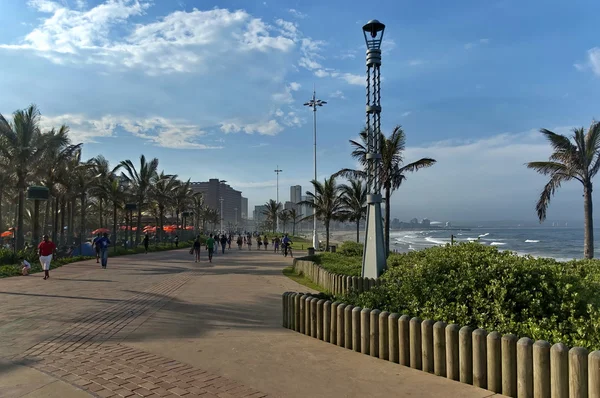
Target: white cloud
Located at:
point(163, 132)
point(294, 86)
point(337, 94)
point(405, 114)
point(474, 44)
point(593, 61)
point(270, 127)
point(179, 42)
point(350, 78)
point(297, 13)
point(262, 144)
point(416, 62)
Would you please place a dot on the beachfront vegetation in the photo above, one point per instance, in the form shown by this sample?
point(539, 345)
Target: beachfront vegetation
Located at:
point(392, 170)
point(480, 286)
point(354, 199)
point(579, 160)
point(83, 194)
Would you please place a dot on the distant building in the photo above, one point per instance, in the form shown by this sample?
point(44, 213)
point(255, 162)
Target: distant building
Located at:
point(296, 193)
point(244, 209)
point(259, 214)
point(290, 205)
point(213, 190)
point(414, 221)
point(304, 209)
point(426, 222)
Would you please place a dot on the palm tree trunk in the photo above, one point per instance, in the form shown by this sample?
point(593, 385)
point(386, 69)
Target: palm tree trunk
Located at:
point(82, 226)
point(46, 216)
point(71, 222)
point(101, 215)
point(55, 220)
point(114, 234)
point(1, 219)
point(294, 229)
point(35, 236)
point(63, 215)
point(358, 231)
point(161, 217)
point(588, 245)
point(388, 195)
point(20, 215)
point(139, 225)
point(326, 235)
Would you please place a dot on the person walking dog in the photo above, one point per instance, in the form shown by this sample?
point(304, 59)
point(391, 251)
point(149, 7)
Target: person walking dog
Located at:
point(46, 249)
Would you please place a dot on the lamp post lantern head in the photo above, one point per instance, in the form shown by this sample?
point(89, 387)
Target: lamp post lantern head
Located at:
point(372, 36)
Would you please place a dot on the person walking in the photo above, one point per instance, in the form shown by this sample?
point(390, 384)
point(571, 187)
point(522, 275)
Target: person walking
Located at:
point(239, 242)
point(46, 249)
point(287, 246)
point(223, 243)
point(249, 240)
point(146, 243)
point(176, 241)
point(276, 244)
point(96, 247)
point(197, 248)
point(210, 246)
point(104, 242)
point(229, 242)
point(266, 242)
point(259, 241)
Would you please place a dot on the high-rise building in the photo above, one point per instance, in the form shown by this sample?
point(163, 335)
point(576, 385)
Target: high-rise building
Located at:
point(290, 205)
point(259, 214)
point(295, 193)
point(243, 212)
point(213, 190)
point(304, 209)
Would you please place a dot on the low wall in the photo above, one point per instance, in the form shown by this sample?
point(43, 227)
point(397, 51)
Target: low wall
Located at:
point(502, 364)
point(337, 284)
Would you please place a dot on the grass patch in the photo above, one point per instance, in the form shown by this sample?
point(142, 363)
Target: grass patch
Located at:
point(301, 279)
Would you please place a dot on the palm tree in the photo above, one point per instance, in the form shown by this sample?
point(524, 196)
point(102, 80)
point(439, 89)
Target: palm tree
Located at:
point(24, 145)
point(294, 217)
point(103, 173)
point(182, 195)
point(140, 183)
point(354, 197)
point(392, 169)
point(326, 202)
point(84, 178)
point(114, 193)
point(284, 217)
point(197, 203)
point(271, 210)
point(572, 160)
point(163, 186)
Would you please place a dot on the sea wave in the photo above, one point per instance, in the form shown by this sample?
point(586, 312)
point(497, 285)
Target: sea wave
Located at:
point(484, 235)
point(497, 244)
point(531, 241)
point(436, 241)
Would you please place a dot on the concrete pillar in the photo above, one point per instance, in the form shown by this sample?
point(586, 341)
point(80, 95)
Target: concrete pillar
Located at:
point(578, 372)
point(452, 360)
point(355, 283)
point(374, 337)
point(365, 330)
point(333, 322)
point(313, 317)
point(348, 327)
point(393, 338)
point(307, 314)
point(404, 339)
point(416, 361)
point(439, 349)
point(302, 312)
point(320, 305)
point(285, 309)
point(525, 368)
point(465, 347)
point(494, 362)
point(541, 369)
point(384, 348)
point(594, 374)
point(480, 358)
point(427, 345)
point(356, 328)
point(340, 324)
point(297, 312)
point(292, 311)
point(327, 321)
point(509, 365)
point(559, 371)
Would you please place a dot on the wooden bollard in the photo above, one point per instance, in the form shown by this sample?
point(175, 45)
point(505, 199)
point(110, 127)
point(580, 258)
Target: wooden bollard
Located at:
point(297, 312)
point(302, 312)
point(365, 330)
point(285, 309)
point(594, 374)
point(416, 361)
point(313, 317)
point(465, 347)
point(404, 339)
point(494, 362)
point(525, 368)
point(374, 335)
point(452, 359)
point(356, 328)
point(480, 358)
point(333, 322)
point(326, 321)
point(340, 324)
point(439, 348)
point(355, 283)
point(348, 327)
point(292, 311)
point(559, 371)
point(541, 369)
point(307, 316)
point(320, 305)
point(384, 348)
point(427, 345)
point(393, 338)
point(578, 372)
point(509, 365)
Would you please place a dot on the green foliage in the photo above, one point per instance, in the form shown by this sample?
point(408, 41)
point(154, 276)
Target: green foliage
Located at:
point(351, 249)
point(339, 263)
point(479, 286)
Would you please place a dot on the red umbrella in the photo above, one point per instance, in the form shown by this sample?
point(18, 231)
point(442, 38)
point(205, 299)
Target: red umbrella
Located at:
point(189, 228)
point(100, 231)
point(5, 234)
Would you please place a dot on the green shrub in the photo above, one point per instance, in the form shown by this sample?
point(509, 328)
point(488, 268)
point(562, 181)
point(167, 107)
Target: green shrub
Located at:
point(339, 263)
point(352, 249)
point(479, 286)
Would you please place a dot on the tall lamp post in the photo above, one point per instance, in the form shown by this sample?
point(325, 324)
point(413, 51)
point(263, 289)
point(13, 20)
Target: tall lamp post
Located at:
point(221, 200)
point(277, 171)
point(314, 103)
point(374, 260)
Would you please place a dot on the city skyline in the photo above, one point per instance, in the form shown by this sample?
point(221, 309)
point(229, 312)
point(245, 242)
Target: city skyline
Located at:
point(464, 80)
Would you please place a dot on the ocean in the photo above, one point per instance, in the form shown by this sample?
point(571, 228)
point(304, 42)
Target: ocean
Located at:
point(561, 243)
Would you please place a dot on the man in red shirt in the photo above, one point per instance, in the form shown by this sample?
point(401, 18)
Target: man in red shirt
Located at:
point(46, 249)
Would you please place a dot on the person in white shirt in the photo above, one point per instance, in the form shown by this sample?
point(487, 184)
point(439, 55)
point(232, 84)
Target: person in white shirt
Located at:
point(26, 267)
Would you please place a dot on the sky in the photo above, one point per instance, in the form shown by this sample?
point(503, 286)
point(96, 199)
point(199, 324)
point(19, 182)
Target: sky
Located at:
point(216, 90)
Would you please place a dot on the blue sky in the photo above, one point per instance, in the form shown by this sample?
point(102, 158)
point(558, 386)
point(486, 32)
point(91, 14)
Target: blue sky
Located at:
point(215, 89)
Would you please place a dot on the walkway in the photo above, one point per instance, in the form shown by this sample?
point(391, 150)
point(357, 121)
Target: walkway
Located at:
point(160, 325)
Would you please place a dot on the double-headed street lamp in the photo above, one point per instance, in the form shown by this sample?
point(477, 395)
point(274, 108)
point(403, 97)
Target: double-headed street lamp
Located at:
point(314, 103)
point(374, 257)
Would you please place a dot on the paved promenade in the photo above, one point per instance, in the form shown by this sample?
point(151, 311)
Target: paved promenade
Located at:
point(160, 325)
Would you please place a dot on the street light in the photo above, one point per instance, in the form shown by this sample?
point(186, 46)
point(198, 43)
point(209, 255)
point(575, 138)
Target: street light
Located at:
point(314, 103)
point(374, 256)
point(221, 200)
point(277, 171)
